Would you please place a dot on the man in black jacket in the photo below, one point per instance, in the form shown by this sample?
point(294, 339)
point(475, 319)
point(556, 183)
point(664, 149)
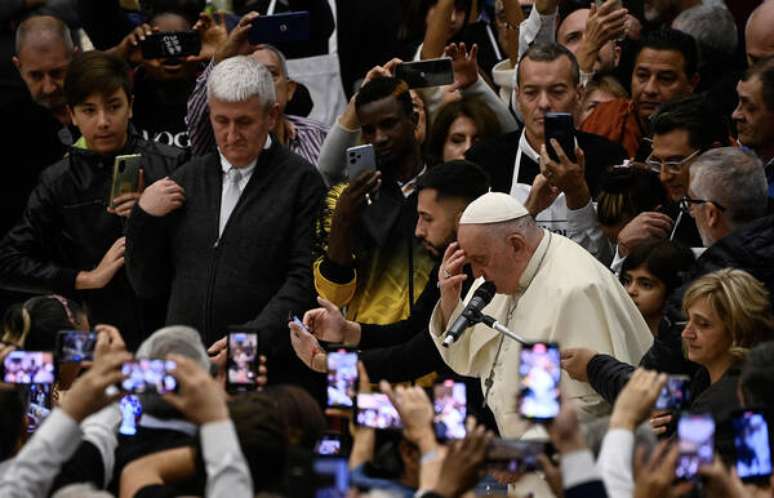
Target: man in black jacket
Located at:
point(230, 234)
point(548, 81)
point(69, 240)
point(727, 198)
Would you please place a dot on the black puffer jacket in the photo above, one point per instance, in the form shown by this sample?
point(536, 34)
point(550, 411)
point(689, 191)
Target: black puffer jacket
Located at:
point(749, 248)
point(66, 229)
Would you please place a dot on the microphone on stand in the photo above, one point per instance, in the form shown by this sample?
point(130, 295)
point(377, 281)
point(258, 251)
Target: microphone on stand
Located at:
point(471, 315)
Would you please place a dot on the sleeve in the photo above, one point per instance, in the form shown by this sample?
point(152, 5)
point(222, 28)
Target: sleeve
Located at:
point(197, 116)
point(403, 362)
point(614, 462)
point(584, 229)
point(537, 28)
point(580, 473)
point(227, 473)
point(27, 262)
point(33, 470)
point(489, 98)
point(332, 162)
point(608, 376)
point(147, 265)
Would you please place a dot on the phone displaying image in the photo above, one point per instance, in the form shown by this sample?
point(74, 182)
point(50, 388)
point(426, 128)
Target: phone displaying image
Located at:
point(375, 410)
point(29, 367)
point(146, 376)
point(331, 478)
point(450, 406)
point(751, 440)
point(560, 127)
point(342, 378)
point(514, 455)
point(540, 372)
point(287, 27)
point(171, 44)
point(331, 444)
point(131, 412)
point(38, 405)
point(360, 158)
point(426, 73)
point(696, 440)
point(674, 394)
point(75, 346)
point(126, 176)
point(242, 360)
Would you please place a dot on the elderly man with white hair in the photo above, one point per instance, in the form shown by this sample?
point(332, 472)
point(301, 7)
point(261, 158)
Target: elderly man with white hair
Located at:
point(230, 234)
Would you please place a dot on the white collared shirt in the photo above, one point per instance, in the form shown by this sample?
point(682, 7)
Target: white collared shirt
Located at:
point(247, 171)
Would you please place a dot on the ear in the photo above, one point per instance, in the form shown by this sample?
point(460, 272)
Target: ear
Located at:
point(17, 63)
point(292, 85)
point(713, 215)
point(72, 116)
point(273, 114)
point(694, 81)
point(517, 242)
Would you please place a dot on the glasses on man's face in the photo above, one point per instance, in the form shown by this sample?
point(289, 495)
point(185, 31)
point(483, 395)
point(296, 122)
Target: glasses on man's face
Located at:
point(686, 203)
point(672, 167)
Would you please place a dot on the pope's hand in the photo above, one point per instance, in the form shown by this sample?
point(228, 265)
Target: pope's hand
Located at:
point(450, 278)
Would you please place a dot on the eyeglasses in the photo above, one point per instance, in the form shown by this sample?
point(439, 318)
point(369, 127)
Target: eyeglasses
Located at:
point(673, 167)
point(685, 204)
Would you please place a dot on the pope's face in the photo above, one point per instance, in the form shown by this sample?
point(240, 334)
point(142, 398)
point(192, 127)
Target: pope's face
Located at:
point(494, 256)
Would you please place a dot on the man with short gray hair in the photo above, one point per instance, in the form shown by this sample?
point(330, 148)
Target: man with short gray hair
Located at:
point(230, 234)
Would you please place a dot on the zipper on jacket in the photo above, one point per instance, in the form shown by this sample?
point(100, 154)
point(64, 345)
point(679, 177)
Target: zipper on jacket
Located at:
point(210, 290)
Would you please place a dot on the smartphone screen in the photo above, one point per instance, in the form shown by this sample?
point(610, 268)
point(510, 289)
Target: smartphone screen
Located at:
point(540, 371)
point(148, 376)
point(331, 478)
point(171, 44)
point(751, 440)
point(674, 394)
point(288, 27)
point(131, 412)
point(342, 378)
point(242, 360)
point(38, 405)
point(29, 367)
point(426, 73)
point(450, 405)
point(696, 440)
point(329, 445)
point(513, 455)
point(560, 127)
point(375, 410)
point(75, 346)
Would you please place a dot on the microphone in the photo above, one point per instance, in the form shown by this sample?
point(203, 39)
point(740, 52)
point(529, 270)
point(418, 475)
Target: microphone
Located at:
point(471, 314)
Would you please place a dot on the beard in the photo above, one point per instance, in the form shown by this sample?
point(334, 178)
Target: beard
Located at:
point(52, 102)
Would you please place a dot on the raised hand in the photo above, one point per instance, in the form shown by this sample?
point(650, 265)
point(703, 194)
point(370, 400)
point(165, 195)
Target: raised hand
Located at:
point(637, 398)
point(464, 64)
point(566, 175)
point(450, 279)
point(649, 226)
point(237, 42)
point(213, 32)
point(199, 396)
point(328, 324)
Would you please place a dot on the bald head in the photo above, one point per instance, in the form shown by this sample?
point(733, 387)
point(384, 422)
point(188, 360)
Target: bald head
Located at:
point(759, 33)
point(43, 33)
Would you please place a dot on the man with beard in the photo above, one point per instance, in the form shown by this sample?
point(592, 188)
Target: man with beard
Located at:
point(368, 259)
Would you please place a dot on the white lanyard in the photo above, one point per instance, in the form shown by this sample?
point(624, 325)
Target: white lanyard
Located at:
point(272, 6)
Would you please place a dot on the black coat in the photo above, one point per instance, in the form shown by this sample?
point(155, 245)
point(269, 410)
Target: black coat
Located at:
point(498, 156)
point(256, 272)
point(66, 229)
point(749, 248)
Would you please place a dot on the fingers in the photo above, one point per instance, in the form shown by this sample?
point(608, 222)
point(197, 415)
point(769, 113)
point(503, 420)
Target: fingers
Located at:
point(115, 342)
point(392, 64)
point(218, 346)
point(329, 306)
point(451, 249)
point(454, 264)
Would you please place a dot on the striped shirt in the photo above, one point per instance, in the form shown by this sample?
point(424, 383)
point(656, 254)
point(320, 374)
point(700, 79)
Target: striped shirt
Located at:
point(305, 138)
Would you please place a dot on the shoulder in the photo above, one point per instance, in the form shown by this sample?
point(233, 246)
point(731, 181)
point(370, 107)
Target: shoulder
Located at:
point(56, 171)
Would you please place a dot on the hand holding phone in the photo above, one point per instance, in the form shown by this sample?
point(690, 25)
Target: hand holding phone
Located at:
point(696, 440)
point(148, 376)
point(29, 367)
point(426, 73)
point(540, 372)
point(753, 451)
point(560, 127)
point(375, 410)
point(177, 44)
point(342, 378)
point(278, 29)
point(360, 158)
point(75, 346)
point(242, 360)
point(127, 177)
point(450, 407)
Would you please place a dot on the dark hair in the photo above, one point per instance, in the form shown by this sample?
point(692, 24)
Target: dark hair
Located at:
point(189, 9)
point(35, 323)
point(13, 403)
point(672, 39)
point(96, 72)
point(262, 434)
point(304, 419)
point(705, 126)
point(626, 192)
point(764, 70)
point(667, 260)
point(549, 52)
point(381, 88)
point(459, 178)
point(485, 120)
point(757, 376)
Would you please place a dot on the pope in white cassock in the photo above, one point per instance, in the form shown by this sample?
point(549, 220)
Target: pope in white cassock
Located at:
point(548, 289)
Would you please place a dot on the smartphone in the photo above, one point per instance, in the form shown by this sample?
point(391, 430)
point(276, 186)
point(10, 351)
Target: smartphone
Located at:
point(131, 412)
point(375, 410)
point(331, 478)
point(38, 405)
point(29, 367)
point(75, 346)
point(330, 444)
point(126, 176)
point(540, 371)
point(696, 441)
point(674, 394)
point(559, 126)
point(450, 406)
point(288, 27)
point(426, 73)
point(360, 158)
point(146, 376)
point(171, 44)
point(751, 440)
point(342, 378)
point(242, 360)
point(514, 455)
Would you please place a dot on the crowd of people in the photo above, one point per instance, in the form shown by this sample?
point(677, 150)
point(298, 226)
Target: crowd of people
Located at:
point(245, 253)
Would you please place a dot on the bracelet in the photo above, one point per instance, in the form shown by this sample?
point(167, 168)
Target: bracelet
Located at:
point(428, 457)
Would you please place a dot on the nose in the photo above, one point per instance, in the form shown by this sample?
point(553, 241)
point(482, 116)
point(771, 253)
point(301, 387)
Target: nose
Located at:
point(380, 137)
point(103, 119)
point(664, 175)
point(688, 332)
point(737, 114)
point(631, 289)
point(650, 88)
point(453, 18)
point(420, 231)
point(50, 85)
point(231, 133)
point(543, 102)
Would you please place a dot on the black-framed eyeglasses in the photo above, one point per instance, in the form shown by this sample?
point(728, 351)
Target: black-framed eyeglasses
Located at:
point(685, 204)
point(672, 167)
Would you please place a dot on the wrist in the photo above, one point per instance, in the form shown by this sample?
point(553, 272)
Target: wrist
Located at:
point(84, 280)
point(427, 443)
point(578, 196)
point(352, 333)
point(619, 421)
